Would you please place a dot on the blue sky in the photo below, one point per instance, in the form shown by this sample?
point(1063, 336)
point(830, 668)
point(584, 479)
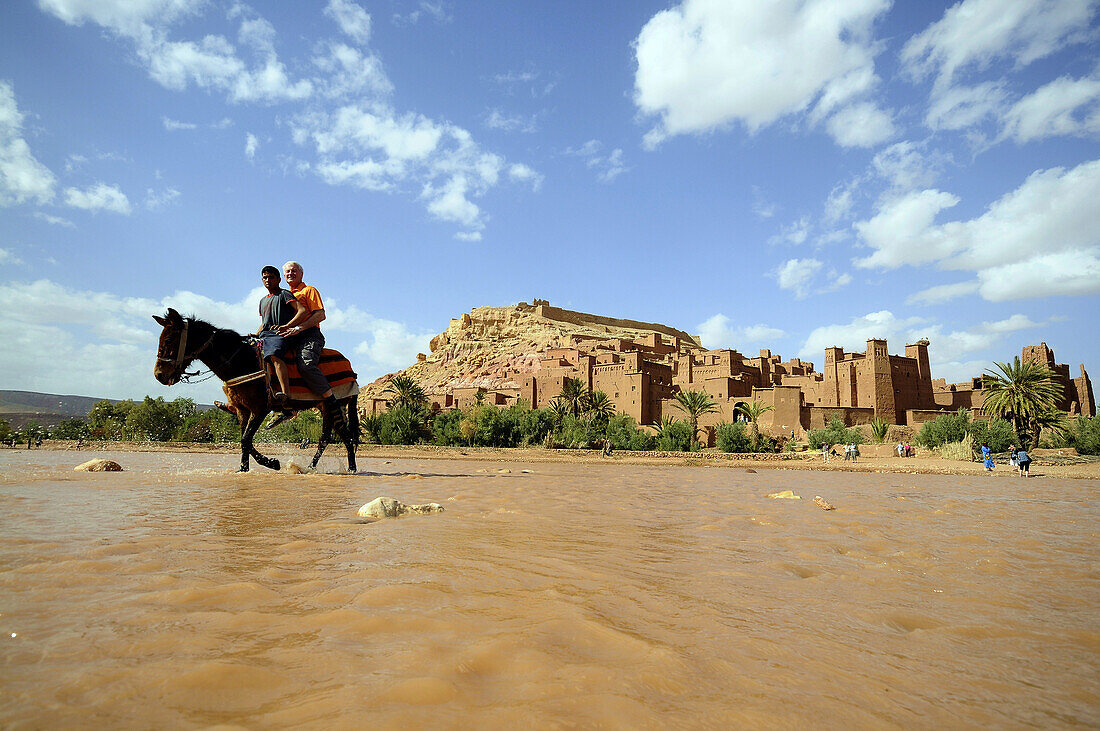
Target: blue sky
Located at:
point(791, 174)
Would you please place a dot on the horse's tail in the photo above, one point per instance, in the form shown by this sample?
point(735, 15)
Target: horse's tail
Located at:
point(353, 419)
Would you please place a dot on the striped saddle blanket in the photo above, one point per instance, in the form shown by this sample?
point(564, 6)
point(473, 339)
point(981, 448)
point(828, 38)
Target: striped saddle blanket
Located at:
point(337, 370)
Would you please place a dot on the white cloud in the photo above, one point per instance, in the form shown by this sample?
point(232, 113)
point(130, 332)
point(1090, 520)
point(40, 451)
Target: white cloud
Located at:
point(1062, 273)
point(607, 167)
point(389, 347)
point(959, 107)
point(469, 236)
point(905, 166)
point(795, 233)
point(854, 336)
point(251, 144)
point(861, 125)
point(796, 275)
point(172, 125)
point(1064, 107)
point(211, 63)
point(22, 177)
point(99, 197)
point(436, 11)
point(942, 293)
point(719, 332)
point(706, 64)
point(496, 119)
point(352, 19)
point(155, 200)
point(525, 174)
point(1052, 212)
point(7, 257)
point(54, 220)
point(374, 148)
point(350, 72)
point(974, 33)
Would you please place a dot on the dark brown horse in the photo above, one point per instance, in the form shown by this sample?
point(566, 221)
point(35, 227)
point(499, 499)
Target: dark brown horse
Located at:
point(232, 358)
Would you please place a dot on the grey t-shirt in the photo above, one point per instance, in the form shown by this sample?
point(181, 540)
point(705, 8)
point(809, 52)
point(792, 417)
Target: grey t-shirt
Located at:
point(275, 309)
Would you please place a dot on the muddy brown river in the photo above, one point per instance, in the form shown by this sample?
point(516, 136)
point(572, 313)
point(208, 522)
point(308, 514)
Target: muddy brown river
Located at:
point(178, 594)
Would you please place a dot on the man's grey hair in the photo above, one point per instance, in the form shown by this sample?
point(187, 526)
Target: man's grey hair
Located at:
point(294, 264)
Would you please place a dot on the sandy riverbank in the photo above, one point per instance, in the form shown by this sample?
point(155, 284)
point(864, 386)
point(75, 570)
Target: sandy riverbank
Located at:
point(1047, 463)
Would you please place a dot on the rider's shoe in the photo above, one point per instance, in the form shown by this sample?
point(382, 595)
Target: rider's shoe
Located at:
point(279, 418)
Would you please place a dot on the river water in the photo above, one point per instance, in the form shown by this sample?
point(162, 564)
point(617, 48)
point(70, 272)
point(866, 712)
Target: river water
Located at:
point(178, 594)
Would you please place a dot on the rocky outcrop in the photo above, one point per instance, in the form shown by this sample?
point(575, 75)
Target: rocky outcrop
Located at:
point(489, 347)
point(388, 507)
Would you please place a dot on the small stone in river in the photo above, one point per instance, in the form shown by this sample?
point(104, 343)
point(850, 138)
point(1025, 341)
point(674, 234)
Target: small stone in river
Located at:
point(822, 503)
point(504, 471)
point(784, 495)
point(527, 472)
point(98, 465)
point(750, 470)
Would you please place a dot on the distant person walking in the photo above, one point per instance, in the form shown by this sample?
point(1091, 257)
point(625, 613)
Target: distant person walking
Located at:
point(987, 457)
point(825, 453)
point(1012, 459)
point(1025, 462)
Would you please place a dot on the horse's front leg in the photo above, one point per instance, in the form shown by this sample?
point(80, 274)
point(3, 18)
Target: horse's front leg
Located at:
point(270, 462)
point(248, 432)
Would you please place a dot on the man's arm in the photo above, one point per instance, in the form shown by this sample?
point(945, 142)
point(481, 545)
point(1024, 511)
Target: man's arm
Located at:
point(300, 323)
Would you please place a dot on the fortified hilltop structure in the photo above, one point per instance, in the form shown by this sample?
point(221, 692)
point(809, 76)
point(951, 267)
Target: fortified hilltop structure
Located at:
point(503, 354)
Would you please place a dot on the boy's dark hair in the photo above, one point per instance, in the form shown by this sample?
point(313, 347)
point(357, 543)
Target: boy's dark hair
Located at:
point(271, 270)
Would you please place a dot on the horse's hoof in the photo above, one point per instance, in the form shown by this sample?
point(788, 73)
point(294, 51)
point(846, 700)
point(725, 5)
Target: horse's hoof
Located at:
point(275, 465)
point(243, 469)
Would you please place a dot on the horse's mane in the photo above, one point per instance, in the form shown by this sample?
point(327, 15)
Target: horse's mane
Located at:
point(222, 333)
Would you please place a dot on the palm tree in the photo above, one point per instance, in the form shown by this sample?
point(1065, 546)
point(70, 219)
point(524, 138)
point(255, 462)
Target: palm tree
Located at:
point(1021, 391)
point(695, 404)
point(559, 409)
point(599, 405)
point(406, 392)
point(753, 412)
point(573, 393)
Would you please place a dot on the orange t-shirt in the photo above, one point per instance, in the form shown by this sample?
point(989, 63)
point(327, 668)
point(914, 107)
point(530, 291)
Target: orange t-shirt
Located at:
point(310, 298)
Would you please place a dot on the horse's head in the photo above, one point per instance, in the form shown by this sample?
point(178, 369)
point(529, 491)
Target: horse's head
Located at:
point(171, 351)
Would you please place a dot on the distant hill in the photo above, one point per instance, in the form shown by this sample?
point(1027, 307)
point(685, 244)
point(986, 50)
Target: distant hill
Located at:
point(48, 409)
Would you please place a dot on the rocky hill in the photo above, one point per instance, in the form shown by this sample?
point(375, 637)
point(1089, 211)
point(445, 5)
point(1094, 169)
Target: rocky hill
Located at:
point(478, 348)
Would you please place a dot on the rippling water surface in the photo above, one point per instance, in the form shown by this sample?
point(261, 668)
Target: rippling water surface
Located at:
point(179, 594)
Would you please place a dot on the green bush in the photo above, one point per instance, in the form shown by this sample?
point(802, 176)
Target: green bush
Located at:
point(677, 437)
point(535, 425)
point(732, 437)
point(835, 433)
point(1085, 435)
point(401, 425)
point(997, 433)
point(624, 434)
point(945, 429)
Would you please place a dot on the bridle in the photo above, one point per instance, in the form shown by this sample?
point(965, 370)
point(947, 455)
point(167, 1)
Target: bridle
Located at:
point(181, 353)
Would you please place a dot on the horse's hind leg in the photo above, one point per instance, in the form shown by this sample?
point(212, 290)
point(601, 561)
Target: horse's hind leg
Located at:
point(350, 434)
point(249, 425)
point(326, 433)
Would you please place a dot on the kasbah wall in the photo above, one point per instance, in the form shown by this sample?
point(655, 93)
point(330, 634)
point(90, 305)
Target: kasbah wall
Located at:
point(642, 376)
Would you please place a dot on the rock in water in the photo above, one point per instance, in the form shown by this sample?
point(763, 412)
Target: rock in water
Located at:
point(388, 507)
point(98, 465)
point(784, 495)
point(822, 503)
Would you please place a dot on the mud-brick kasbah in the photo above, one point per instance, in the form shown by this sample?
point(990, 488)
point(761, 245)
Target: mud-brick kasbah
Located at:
point(499, 355)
